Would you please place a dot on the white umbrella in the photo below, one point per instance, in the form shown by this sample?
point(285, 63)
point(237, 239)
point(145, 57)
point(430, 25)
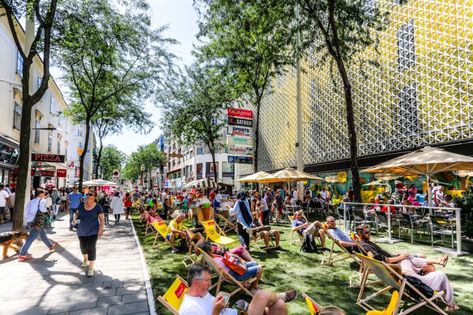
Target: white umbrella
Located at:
point(426, 161)
point(201, 183)
point(99, 183)
point(255, 178)
point(290, 175)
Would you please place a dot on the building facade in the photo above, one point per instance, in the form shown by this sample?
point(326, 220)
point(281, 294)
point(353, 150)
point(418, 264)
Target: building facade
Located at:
point(420, 94)
point(50, 128)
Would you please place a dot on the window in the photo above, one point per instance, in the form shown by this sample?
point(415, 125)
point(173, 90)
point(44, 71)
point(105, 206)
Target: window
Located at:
point(406, 46)
point(407, 121)
point(37, 132)
point(52, 106)
point(17, 116)
point(200, 151)
point(59, 138)
point(38, 82)
point(66, 145)
point(19, 64)
point(50, 140)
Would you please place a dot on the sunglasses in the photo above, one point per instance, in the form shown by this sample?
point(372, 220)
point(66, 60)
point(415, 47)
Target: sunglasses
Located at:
point(90, 194)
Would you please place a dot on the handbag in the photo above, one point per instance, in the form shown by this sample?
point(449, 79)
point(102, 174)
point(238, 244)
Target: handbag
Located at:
point(38, 221)
point(234, 263)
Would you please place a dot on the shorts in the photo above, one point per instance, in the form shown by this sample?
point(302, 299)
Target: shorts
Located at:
point(88, 246)
point(252, 269)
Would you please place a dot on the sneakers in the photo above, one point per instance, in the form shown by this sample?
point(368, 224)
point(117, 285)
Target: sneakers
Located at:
point(84, 264)
point(53, 247)
point(90, 273)
point(25, 257)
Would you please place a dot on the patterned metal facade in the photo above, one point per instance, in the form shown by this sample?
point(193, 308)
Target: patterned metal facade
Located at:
point(421, 93)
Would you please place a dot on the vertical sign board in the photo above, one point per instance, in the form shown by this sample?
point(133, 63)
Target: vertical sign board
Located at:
point(239, 131)
point(243, 141)
point(240, 159)
point(235, 121)
point(240, 112)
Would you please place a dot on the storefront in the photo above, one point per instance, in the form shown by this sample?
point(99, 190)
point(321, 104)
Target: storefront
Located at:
point(9, 153)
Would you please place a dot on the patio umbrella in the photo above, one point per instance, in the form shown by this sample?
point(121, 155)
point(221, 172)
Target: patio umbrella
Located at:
point(201, 183)
point(99, 183)
point(386, 176)
point(254, 178)
point(376, 183)
point(426, 161)
point(290, 175)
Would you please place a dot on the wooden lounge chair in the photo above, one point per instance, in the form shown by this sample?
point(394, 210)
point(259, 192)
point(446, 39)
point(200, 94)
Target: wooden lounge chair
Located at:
point(334, 257)
point(161, 230)
point(314, 307)
point(224, 276)
point(227, 225)
point(390, 309)
point(394, 280)
point(294, 231)
point(215, 233)
point(174, 295)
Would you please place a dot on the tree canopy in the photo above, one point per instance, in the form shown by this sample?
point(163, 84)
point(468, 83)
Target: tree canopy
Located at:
point(143, 161)
point(112, 159)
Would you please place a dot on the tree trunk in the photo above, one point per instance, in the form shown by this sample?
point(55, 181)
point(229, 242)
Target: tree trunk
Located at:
point(99, 157)
point(84, 153)
point(255, 153)
point(214, 163)
point(351, 130)
point(23, 192)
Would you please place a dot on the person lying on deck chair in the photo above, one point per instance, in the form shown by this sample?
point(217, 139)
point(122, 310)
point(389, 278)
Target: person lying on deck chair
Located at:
point(314, 229)
point(342, 238)
point(198, 300)
point(265, 232)
point(415, 265)
point(177, 231)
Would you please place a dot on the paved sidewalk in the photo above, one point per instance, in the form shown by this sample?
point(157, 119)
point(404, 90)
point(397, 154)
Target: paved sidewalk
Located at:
point(54, 283)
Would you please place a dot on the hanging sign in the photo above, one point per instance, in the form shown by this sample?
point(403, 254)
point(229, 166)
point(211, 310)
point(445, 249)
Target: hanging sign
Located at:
point(237, 140)
point(61, 172)
point(239, 131)
point(234, 121)
point(240, 112)
point(40, 157)
point(240, 159)
point(239, 150)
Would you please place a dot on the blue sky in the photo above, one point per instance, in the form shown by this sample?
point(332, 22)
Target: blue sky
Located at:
point(181, 18)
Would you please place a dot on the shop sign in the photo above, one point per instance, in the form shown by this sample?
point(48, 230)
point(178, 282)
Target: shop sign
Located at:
point(243, 141)
point(240, 112)
point(61, 172)
point(42, 157)
point(234, 121)
point(239, 131)
point(44, 173)
point(239, 150)
point(240, 159)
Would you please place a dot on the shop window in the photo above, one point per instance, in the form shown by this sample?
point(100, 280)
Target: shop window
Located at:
point(17, 116)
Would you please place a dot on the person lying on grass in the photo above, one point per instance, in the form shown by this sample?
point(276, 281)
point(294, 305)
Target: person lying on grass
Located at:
point(198, 300)
point(252, 268)
point(415, 265)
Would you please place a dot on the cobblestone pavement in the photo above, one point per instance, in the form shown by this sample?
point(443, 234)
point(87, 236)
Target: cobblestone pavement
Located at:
point(55, 283)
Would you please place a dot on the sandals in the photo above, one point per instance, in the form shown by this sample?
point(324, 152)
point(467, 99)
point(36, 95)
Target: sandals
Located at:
point(288, 296)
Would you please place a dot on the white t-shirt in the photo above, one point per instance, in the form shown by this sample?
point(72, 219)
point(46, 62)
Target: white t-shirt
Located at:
point(192, 305)
point(3, 198)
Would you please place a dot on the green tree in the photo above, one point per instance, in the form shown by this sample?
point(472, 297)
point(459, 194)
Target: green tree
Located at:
point(110, 59)
point(252, 47)
point(143, 161)
point(40, 23)
point(112, 159)
point(194, 108)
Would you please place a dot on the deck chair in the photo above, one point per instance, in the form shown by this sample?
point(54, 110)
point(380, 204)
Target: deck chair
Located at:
point(173, 297)
point(333, 256)
point(390, 309)
point(161, 230)
point(314, 307)
point(295, 231)
point(224, 276)
point(215, 233)
point(394, 280)
point(256, 237)
point(227, 225)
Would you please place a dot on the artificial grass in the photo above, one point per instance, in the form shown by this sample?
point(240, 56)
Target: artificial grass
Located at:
point(290, 268)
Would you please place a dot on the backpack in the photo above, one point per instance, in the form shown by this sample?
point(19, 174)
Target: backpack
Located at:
point(234, 263)
point(419, 285)
point(309, 245)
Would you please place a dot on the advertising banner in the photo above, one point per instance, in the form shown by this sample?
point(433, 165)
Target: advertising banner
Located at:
point(237, 140)
point(61, 172)
point(240, 159)
point(234, 121)
point(239, 131)
point(240, 112)
point(239, 150)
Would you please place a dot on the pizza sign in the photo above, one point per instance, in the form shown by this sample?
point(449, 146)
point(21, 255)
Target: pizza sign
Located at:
point(41, 157)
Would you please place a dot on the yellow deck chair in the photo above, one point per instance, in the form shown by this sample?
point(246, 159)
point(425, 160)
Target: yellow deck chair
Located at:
point(393, 280)
point(173, 297)
point(215, 233)
point(224, 276)
point(314, 307)
point(162, 230)
point(390, 309)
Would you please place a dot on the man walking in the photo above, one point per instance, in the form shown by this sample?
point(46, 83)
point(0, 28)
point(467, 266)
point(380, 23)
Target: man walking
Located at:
point(3, 202)
point(73, 199)
point(35, 212)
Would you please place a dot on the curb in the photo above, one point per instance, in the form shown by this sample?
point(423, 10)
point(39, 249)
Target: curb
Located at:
point(144, 267)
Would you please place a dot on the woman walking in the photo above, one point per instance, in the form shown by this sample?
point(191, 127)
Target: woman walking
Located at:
point(91, 224)
point(128, 203)
point(117, 207)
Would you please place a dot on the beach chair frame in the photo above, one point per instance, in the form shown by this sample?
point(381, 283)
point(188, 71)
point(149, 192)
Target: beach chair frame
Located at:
point(177, 285)
point(312, 305)
point(158, 226)
point(215, 233)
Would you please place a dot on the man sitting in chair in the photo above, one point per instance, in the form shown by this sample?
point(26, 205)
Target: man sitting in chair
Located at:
point(415, 265)
point(342, 238)
point(265, 232)
point(177, 231)
point(301, 226)
point(198, 300)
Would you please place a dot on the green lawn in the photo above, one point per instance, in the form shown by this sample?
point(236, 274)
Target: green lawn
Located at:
point(290, 268)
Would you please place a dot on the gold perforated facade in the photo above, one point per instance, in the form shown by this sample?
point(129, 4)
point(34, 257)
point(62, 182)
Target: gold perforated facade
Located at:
point(421, 93)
